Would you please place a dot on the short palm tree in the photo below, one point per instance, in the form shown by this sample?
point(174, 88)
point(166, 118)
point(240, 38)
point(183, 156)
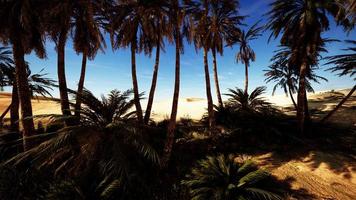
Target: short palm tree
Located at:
point(300, 24)
point(221, 177)
point(282, 71)
point(21, 26)
point(344, 64)
point(240, 101)
point(106, 141)
point(246, 53)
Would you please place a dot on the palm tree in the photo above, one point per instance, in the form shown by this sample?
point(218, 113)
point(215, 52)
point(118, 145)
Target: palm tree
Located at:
point(301, 22)
point(87, 39)
point(344, 64)
point(240, 101)
point(223, 22)
point(131, 24)
point(176, 19)
point(20, 22)
point(160, 17)
point(107, 141)
point(59, 24)
point(200, 37)
point(246, 53)
point(283, 72)
point(221, 177)
point(39, 85)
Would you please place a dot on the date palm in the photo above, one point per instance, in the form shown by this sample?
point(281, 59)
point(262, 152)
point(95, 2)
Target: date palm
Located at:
point(159, 15)
point(200, 35)
point(300, 24)
point(176, 20)
point(131, 24)
point(246, 54)
point(282, 71)
point(38, 85)
point(224, 21)
point(87, 39)
point(58, 25)
point(344, 65)
point(20, 22)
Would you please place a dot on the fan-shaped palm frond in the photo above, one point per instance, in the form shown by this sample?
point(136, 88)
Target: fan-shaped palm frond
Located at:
point(220, 177)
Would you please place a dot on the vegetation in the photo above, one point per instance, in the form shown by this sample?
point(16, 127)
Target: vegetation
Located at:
point(221, 177)
point(111, 148)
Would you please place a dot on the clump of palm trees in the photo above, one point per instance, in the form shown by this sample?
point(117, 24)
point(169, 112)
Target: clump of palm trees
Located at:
point(103, 133)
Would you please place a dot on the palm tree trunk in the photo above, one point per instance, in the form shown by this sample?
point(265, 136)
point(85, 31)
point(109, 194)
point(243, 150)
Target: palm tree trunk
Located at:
point(339, 105)
point(172, 123)
point(23, 90)
point(81, 85)
point(246, 77)
point(292, 98)
point(5, 112)
point(208, 91)
point(61, 74)
point(301, 104)
point(153, 86)
point(216, 79)
point(135, 84)
point(14, 111)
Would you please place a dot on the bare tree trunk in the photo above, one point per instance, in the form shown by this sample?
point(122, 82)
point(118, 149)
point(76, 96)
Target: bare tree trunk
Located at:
point(208, 91)
point(135, 84)
point(216, 79)
point(172, 123)
point(63, 91)
point(301, 104)
point(23, 90)
point(14, 111)
point(246, 77)
point(292, 98)
point(339, 105)
point(81, 85)
point(153, 86)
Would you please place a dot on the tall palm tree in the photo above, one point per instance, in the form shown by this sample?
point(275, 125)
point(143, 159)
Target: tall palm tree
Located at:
point(87, 39)
point(246, 53)
point(344, 64)
point(224, 21)
point(200, 36)
point(176, 19)
point(58, 24)
point(132, 25)
point(160, 18)
point(20, 22)
point(300, 24)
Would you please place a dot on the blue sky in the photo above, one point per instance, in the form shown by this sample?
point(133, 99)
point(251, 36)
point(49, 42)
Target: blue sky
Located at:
point(111, 70)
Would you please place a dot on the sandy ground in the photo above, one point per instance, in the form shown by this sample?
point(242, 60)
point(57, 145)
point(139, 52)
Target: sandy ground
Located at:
point(317, 175)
